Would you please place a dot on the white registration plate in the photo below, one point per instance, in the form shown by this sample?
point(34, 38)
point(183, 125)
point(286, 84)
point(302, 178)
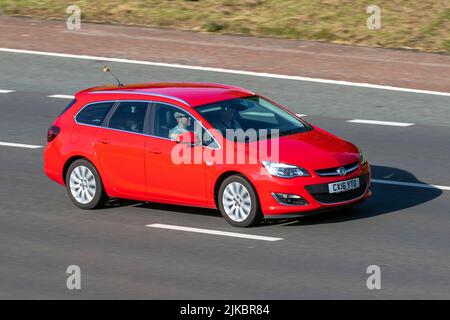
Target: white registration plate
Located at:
point(343, 186)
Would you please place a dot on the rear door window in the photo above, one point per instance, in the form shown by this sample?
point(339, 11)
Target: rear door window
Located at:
point(129, 116)
point(94, 114)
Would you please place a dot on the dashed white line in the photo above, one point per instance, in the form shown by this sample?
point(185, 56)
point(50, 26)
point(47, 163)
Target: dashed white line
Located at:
point(214, 232)
point(411, 184)
point(382, 123)
point(61, 96)
point(19, 145)
point(300, 115)
point(6, 91)
point(230, 71)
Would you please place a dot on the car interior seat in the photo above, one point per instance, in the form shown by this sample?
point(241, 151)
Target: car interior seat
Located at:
point(166, 123)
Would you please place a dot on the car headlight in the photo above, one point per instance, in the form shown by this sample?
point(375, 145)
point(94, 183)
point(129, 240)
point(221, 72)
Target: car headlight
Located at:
point(284, 170)
point(361, 157)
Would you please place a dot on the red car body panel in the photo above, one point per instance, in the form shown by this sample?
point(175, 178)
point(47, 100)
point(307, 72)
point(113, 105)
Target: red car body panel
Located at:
point(139, 166)
point(167, 181)
point(122, 156)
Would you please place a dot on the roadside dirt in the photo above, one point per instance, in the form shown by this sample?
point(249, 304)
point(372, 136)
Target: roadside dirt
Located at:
point(400, 68)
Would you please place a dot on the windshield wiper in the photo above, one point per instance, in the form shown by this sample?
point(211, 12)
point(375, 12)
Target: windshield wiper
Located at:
point(292, 131)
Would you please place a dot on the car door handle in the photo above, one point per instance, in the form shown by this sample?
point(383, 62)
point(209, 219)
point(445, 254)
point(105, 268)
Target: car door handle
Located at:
point(154, 151)
point(104, 141)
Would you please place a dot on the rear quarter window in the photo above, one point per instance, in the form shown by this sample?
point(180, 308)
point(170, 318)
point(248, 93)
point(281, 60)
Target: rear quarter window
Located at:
point(94, 114)
point(71, 103)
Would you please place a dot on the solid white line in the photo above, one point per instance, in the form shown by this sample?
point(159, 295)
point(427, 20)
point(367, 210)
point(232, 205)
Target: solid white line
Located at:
point(411, 184)
point(215, 232)
point(232, 71)
point(61, 96)
point(6, 91)
point(19, 145)
point(383, 123)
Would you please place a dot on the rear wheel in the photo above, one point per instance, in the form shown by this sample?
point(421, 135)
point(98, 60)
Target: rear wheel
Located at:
point(238, 202)
point(84, 185)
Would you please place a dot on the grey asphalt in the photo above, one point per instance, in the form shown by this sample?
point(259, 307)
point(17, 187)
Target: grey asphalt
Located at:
point(404, 230)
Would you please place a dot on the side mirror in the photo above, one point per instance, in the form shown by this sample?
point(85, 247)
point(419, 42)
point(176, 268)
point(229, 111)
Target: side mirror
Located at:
point(188, 138)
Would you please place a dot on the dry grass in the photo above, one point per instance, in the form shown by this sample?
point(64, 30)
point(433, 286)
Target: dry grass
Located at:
point(423, 25)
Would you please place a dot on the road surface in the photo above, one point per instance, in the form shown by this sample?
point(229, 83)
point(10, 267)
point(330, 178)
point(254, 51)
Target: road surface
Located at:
point(404, 228)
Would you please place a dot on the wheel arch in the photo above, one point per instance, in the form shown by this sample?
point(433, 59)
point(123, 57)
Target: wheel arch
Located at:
point(71, 160)
point(222, 178)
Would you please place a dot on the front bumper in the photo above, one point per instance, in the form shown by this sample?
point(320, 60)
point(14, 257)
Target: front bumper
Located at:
point(314, 190)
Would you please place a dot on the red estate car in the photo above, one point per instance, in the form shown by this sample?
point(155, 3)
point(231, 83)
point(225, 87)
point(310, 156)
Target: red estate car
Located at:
point(133, 142)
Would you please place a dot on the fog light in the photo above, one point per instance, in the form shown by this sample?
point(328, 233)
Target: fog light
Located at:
point(289, 199)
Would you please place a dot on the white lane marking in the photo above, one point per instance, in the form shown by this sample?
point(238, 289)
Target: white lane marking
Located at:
point(61, 96)
point(411, 184)
point(19, 145)
point(382, 123)
point(6, 91)
point(215, 232)
point(232, 71)
point(300, 115)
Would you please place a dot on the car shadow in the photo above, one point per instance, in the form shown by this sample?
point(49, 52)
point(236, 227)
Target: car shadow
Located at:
point(182, 209)
point(386, 199)
point(117, 203)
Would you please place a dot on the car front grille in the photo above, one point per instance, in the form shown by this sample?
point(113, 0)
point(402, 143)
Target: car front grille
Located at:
point(333, 172)
point(320, 192)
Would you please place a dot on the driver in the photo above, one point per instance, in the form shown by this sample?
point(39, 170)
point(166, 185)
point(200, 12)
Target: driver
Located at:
point(183, 121)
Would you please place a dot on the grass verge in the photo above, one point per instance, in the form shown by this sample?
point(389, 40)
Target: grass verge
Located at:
point(422, 25)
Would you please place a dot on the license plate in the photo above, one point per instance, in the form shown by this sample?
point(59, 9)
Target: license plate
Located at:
point(343, 186)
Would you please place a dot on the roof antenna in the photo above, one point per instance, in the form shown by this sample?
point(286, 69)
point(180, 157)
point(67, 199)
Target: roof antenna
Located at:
point(106, 69)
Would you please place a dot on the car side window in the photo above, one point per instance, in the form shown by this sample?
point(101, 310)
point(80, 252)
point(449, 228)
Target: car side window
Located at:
point(94, 114)
point(129, 116)
point(171, 121)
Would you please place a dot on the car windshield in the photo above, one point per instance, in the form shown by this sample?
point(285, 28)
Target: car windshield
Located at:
point(251, 113)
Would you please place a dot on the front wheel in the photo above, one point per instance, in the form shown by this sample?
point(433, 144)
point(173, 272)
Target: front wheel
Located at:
point(84, 185)
point(238, 202)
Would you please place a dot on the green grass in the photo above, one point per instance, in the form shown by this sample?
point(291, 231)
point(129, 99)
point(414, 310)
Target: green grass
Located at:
point(422, 25)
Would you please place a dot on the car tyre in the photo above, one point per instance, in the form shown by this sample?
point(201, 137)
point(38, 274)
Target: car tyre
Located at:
point(238, 202)
point(84, 186)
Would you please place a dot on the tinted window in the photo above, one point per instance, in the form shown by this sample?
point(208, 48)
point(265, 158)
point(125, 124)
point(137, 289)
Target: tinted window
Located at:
point(129, 116)
point(171, 121)
point(71, 103)
point(251, 113)
point(168, 121)
point(94, 114)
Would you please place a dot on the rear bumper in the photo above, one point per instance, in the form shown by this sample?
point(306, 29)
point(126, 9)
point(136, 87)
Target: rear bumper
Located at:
point(312, 190)
point(53, 164)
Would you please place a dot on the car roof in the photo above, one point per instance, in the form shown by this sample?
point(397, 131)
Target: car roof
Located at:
point(192, 94)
